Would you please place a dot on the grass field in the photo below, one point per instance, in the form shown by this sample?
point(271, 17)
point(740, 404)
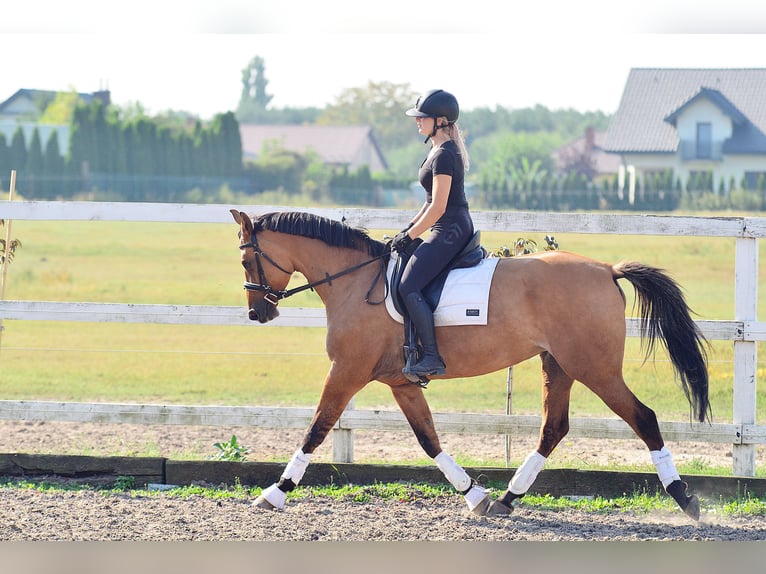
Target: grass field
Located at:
point(181, 263)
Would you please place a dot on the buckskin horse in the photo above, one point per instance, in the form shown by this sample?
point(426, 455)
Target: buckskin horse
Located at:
point(565, 308)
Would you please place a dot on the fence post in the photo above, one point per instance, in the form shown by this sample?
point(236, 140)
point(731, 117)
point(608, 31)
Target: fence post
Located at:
point(7, 253)
point(745, 352)
point(343, 441)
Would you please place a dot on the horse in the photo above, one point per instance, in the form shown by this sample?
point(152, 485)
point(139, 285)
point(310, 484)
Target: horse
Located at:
point(565, 308)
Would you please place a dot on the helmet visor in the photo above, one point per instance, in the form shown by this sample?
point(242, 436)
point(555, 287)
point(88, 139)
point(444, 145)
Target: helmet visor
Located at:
point(416, 113)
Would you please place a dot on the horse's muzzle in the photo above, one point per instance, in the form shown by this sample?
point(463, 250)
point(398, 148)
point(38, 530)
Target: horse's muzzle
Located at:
point(263, 312)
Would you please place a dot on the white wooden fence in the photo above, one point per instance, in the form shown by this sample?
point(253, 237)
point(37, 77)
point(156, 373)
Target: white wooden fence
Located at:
point(745, 331)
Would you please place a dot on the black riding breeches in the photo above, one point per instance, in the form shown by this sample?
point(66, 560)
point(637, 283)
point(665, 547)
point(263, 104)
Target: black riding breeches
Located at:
point(448, 237)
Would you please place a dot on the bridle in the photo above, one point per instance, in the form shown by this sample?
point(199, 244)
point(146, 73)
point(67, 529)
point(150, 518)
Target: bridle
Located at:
point(273, 296)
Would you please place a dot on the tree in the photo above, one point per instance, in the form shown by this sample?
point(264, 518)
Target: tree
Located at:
point(5, 159)
point(519, 158)
point(80, 140)
point(380, 105)
point(253, 100)
point(61, 110)
point(34, 165)
point(18, 151)
point(225, 130)
point(580, 160)
point(277, 169)
point(53, 167)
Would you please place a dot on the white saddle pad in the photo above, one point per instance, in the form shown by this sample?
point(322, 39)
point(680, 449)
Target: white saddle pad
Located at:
point(465, 297)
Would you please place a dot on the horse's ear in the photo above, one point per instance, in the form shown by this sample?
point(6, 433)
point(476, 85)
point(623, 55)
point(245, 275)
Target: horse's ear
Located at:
point(243, 219)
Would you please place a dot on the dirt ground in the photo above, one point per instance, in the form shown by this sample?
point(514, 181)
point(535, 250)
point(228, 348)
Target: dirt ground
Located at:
point(94, 516)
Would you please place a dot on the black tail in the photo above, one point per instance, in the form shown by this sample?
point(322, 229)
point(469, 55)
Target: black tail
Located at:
point(665, 315)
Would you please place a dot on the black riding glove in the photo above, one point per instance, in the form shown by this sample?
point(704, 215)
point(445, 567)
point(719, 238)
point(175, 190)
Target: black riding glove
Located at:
point(401, 241)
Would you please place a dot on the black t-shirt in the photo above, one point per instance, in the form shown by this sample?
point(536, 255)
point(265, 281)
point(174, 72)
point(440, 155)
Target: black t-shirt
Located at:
point(445, 160)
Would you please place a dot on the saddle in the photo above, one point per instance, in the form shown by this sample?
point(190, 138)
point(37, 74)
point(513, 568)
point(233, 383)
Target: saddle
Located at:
point(470, 256)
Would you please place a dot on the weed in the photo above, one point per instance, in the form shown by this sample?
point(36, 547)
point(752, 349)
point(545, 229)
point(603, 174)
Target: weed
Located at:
point(125, 483)
point(230, 451)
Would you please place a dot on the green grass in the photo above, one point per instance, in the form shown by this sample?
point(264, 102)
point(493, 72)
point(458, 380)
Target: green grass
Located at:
point(180, 263)
point(637, 502)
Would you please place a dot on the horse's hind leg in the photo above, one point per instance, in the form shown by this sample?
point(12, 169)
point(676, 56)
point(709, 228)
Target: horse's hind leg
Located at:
point(557, 386)
point(413, 404)
point(643, 421)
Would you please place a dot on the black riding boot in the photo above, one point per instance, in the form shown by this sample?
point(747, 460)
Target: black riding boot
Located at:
point(423, 319)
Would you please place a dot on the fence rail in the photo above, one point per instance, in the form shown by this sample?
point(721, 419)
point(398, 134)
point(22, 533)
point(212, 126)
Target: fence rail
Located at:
point(358, 419)
point(744, 331)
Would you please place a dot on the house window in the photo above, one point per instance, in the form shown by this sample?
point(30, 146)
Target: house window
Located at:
point(704, 140)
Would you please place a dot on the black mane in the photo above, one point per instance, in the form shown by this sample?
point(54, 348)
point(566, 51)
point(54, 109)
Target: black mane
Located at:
point(333, 233)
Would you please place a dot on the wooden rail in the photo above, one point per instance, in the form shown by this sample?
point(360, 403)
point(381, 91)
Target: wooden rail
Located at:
point(744, 330)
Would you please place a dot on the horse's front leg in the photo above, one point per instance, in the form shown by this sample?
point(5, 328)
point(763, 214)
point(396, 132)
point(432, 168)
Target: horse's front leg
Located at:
point(337, 392)
point(413, 404)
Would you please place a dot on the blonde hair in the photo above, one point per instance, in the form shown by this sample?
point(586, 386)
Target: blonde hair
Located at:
point(455, 133)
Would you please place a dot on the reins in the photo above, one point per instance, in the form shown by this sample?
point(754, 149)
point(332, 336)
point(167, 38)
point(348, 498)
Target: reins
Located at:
point(273, 296)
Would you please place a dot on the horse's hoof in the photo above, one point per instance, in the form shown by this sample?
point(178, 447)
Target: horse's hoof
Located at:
point(692, 509)
point(482, 508)
point(497, 508)
point(689, 504)
point(261, 502)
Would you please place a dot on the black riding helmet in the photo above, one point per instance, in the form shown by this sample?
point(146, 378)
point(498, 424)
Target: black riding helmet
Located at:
point(435, 104)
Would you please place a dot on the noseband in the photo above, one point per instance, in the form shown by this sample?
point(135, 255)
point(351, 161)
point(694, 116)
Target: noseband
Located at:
point(273, 296)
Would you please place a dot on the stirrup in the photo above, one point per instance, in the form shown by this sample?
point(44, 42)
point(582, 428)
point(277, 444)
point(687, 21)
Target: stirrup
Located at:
point(418, 370)
point(418, 380)
point(411, 354)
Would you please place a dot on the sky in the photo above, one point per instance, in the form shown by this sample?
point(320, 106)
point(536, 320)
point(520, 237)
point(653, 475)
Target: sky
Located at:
point(189, 55)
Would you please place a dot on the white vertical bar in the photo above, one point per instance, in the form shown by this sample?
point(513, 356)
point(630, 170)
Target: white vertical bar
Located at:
point(7, 253)
point(745, 352)
point(508, 411)
point(343, 441)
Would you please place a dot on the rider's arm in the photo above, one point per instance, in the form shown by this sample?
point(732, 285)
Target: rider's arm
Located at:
point(431, 212)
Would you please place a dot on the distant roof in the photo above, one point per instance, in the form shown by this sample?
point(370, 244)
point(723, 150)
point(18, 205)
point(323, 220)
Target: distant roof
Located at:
point(11, 108)
point(718, 99)
point(654, 97)
point(603, 162)
point(338, 145)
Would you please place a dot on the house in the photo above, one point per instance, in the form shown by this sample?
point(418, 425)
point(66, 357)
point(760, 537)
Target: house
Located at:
point(27, 105)
point(24, 107)
point(587, 155)
point(350, 146)
point(704, 125)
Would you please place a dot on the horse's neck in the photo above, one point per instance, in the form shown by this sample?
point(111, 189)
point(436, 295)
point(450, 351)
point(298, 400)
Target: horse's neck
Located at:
point(316, 260)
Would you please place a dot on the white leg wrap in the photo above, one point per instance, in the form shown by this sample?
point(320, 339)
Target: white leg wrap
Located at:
point(297, 466)
point(455, 473)
point(526, 474)
point(275, 496)
point(666, 470)
point(474, 496)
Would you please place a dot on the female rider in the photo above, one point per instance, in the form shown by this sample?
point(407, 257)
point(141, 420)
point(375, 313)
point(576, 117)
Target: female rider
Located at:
point(445, 213)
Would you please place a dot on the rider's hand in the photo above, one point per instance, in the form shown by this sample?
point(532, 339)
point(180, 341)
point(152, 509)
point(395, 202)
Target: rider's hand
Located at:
point(401, 241)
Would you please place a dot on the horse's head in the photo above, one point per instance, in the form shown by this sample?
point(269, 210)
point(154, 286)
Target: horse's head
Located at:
point(265, 277)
